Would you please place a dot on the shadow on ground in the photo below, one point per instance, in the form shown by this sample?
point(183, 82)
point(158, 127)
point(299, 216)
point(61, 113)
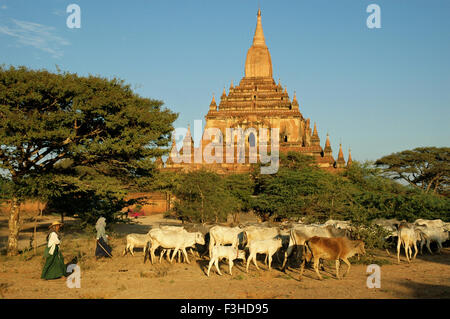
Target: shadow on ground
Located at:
point(421, 290)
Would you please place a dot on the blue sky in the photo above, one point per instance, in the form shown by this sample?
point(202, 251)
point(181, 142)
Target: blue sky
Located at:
point(377, 91)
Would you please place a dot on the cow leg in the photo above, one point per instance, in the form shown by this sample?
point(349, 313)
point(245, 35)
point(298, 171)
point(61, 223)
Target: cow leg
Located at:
point(164, 252)
point(154, 246)
point(255, 262)
point(348, 264)
point(388, 253)
point(407, 251)
point(302, 267)
point(230, 264)
point(175, 250)
point(406, 247)
point(439, 244)
point(316, 267)
point(211, 262)
point(131, 250)
point(211, 245)
point(185, 255)
point(216, 263)
point(416, 250)
point(252, 257)
point(270, 262)
point(192, 252)
point(284, 262)
point(338, 263)
point(248, 262)
point(399, 245)
point(428, 246)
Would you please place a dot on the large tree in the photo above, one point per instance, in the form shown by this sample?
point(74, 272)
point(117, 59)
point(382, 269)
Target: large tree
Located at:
point(426, 168)
point(64, 131)
point(204, 196)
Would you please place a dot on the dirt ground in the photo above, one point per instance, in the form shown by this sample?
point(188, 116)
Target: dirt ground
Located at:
point(128, 277)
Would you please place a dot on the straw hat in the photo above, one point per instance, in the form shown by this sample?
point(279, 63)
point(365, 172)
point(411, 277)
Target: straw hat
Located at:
point(55, 224)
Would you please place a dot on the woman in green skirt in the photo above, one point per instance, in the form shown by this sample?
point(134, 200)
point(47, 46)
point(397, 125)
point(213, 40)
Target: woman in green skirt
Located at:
point(54, 267)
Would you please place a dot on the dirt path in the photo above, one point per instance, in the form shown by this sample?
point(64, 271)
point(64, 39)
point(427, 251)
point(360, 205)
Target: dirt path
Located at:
point(128, 277)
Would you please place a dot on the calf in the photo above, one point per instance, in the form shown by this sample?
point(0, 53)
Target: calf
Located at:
point(267, 246)
point(222, 235)
point(228, 252)
point(331, 249)
point(135, 241)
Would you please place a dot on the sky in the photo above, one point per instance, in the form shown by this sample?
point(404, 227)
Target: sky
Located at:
point(376, 91)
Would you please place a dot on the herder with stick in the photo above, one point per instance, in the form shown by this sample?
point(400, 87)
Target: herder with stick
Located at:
point(54, 267)
point(102, 249)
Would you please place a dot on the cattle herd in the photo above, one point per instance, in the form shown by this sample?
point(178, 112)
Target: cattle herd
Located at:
point(333, 240)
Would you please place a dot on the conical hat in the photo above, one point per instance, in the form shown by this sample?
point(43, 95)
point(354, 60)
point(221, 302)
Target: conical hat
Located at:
point(55, 223)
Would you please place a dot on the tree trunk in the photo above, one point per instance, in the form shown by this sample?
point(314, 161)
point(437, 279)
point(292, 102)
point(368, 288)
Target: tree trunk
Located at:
point(14, 227)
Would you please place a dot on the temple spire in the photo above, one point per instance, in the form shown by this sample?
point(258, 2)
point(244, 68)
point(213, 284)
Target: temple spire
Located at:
point(258, 62)
point(349, 161)
point(295, 98)
point(315, 140)
point(258, 39)
point(213, 105)
point(327, 150)
point(341, 154)
point(340, 161)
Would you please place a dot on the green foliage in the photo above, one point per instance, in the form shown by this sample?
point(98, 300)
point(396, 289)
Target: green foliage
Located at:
point(203, 196)
point(426, 168)
point(5, 189)
point(80, 142)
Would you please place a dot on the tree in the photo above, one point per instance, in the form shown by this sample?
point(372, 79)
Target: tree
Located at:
point(203, 196)
point(65, 132)
point(425, 168)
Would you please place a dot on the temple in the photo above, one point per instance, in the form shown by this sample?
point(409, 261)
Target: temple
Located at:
point(257, 102)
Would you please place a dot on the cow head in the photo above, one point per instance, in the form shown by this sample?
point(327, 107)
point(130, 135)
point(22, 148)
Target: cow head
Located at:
point(360, 247)
point(199, 239)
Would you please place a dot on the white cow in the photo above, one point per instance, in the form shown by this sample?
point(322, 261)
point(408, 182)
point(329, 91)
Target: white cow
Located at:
point(222, 235)
point(390, 225)
point(429, 222)
point(340, 224)
point(224, 252)
point(173, 239)
point(435, 234)
point(408, 235)
point(266, 246)
point(135, 241)
point(252, 233)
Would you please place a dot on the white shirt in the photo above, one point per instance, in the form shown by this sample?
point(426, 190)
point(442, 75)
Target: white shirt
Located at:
point(53, 240)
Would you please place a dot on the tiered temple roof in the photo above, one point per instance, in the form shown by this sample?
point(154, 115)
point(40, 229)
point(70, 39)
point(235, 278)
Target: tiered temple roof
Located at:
point(259, 102)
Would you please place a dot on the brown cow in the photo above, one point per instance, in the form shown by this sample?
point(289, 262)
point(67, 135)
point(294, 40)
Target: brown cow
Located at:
point(331, 249)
